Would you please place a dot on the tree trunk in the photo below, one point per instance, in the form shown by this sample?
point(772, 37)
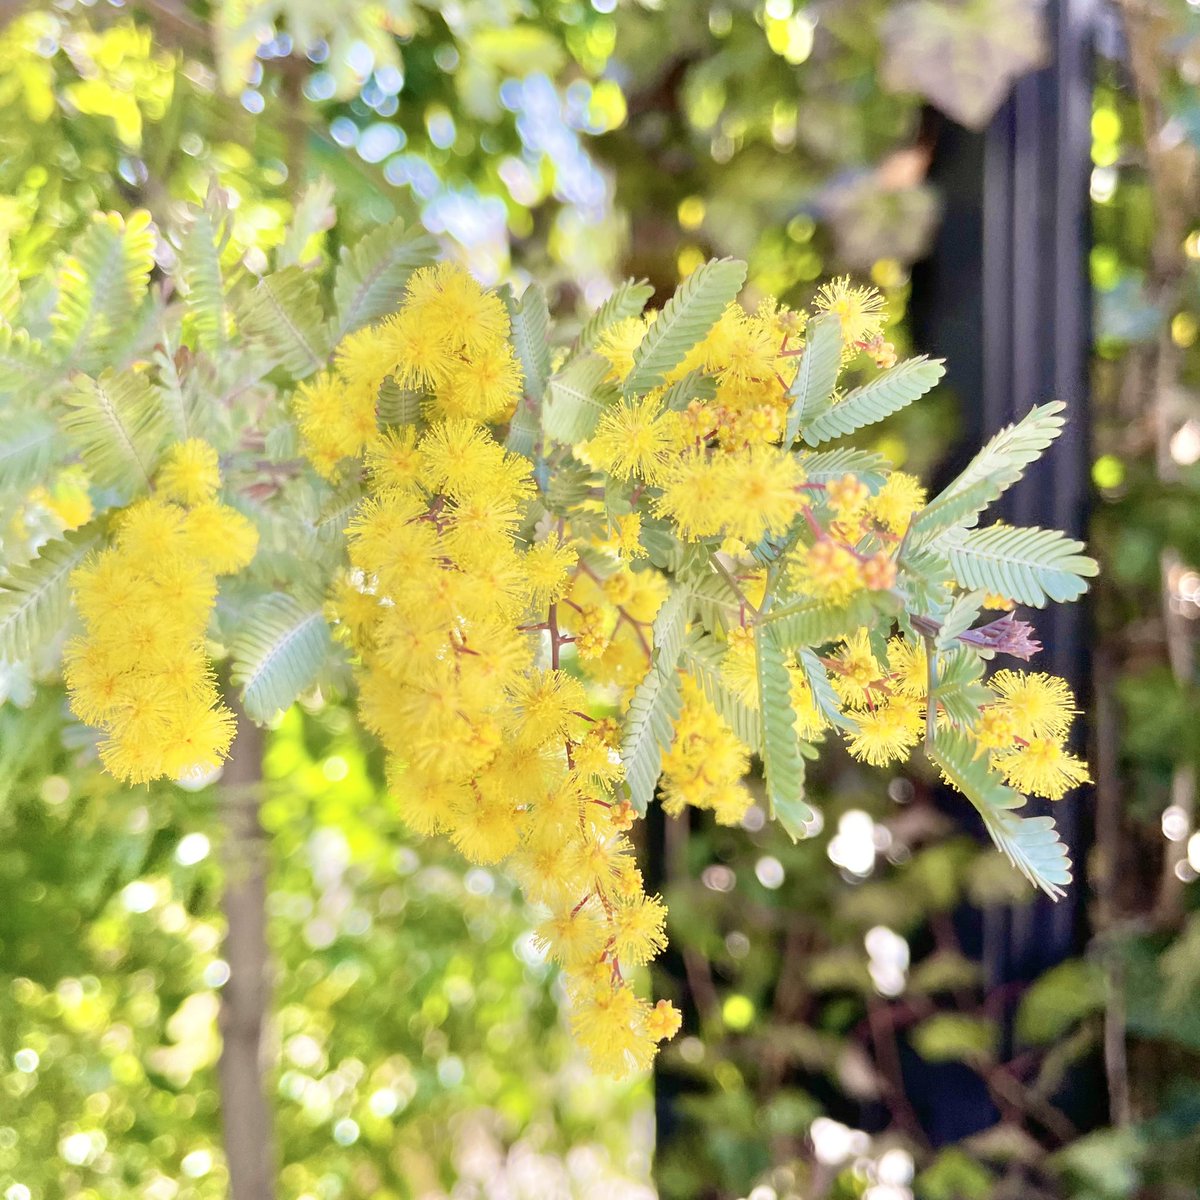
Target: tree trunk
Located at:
point(249, 1141)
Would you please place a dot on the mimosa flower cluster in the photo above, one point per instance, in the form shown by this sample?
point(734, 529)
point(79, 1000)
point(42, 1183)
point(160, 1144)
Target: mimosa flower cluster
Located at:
point(140, 673)
point(503, 639)
point(454, 619)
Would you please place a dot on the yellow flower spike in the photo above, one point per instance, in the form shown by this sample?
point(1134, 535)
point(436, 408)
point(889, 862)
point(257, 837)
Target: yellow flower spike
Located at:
point(139, 674)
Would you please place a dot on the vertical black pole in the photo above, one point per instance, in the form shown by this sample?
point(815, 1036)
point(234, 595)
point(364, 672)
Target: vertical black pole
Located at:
point(1036, 346)
point(1005, 296)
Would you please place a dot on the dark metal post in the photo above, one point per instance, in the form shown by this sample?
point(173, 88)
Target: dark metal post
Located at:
point(1036, 347)
point(1008, 278)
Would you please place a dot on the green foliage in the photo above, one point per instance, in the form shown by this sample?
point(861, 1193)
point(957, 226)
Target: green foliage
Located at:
point(100, 284)
point(701, 656)
point(576, 397)
point(627, 300)
point(655, 704)
point(35, 597)
point(372, 274)
point(823, 694)
point(281, 646)
point(884, 395)
point(949, 1037)
point(116, 422)
point(783, 766)
point(991, 472)
point(691, 312)
point(531, 337)
point(816, 622)
point(1058, 1000)
point(29, 443)
point(825, 465)
point(1030, 566)
point(200, 246)
point(283, 316)
point(812, 389)
point(959, 692)
point(1031, 844)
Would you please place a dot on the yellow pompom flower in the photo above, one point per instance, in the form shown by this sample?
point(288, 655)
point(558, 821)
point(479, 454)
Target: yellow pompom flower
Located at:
point(610, 1023)
point(220, 537)
point(855, 670)
point(1040, 705)
point(635, 439)
point(547, 568)
point(693, 496)
point(861, 310)
point(886, 733)
point(1042, 767)
point(618, 343)
point(895, 503)
point(639, 934)
point(189, 472)
point(485, 387)
point(760, 487)
point(392, 460)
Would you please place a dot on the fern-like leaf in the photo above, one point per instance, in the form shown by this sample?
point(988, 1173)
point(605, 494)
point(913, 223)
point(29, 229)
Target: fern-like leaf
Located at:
point(1028, 565)
point(826, 465)
point(958, 691)
point(687, 317)
point(181, 401)
point(575, 399)
point(693, 386)
point(884, 395)
point(817, 373)
point(373, 273)
point(783, 764)
point(118, 426)
point(669, 629)
point(312, 213)
point(24, 365)
point(278, 653)
point(656, 703)
point(530, 319)
point(200, 246)
point(701, 657)
point(398, 406)
point(1031, 843)
point(991, 472)
point(35, 599)
point(824, 697)
point(628, 300)
point(653, 709)
point(815, 622)
point(283, 316)
point(29, 443)
point(101, 284)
